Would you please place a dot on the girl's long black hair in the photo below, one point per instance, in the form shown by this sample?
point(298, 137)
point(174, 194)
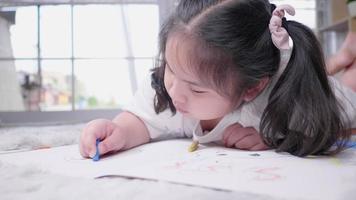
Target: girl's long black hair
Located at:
point(302, 116)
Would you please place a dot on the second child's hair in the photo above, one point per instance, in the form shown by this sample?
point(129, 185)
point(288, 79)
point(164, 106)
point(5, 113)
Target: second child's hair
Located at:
point(233, 47)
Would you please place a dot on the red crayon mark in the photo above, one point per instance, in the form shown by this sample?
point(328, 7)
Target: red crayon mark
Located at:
point(212, 168)
point(267, 174)
point(177, 165)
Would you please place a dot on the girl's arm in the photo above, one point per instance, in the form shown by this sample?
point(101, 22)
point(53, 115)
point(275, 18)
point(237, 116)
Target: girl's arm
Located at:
point(124, 132)
point(133, 126)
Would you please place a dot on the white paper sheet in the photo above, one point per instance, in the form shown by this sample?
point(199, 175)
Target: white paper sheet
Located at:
point(264, 172)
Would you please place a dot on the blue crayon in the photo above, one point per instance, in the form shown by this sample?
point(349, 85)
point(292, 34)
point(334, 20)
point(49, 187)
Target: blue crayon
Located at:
point(349, 144)
point(97, 154)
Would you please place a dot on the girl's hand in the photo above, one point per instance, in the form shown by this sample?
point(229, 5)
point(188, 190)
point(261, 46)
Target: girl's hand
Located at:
point(345, 57)
point(110, 135)
point(236, 136)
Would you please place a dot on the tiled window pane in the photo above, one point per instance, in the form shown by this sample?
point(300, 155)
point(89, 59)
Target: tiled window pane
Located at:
point(55, 35)
point(11, 95)
point(24, 33)
point(143, 26)
point(56, 93)
point(142, 69)
point(98, 31)
point(29, 82)
point(102, 84)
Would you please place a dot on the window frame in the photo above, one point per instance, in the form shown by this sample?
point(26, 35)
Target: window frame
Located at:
point(73, 116)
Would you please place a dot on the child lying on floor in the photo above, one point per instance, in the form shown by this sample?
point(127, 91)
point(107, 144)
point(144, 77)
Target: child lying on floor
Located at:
point(237, 73)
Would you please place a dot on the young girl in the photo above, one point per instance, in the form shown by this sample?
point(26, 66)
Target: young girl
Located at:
point(234, 72)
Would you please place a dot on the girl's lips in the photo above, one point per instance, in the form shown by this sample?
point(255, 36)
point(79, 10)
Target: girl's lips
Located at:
point(181, 110)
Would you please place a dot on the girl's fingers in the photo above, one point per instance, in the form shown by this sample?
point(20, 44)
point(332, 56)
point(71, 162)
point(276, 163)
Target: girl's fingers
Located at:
point(82, 151)
point(259, 147)
point(253, 142)
point(83, 147)
point(239, 134)
point(89, 144)
point(235, 137)
point(230, 130)
point(247, 142)
point(114, 142)
point(243, 138)
point(96, 129)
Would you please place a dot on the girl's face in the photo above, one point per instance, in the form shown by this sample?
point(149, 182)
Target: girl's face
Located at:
point(190, 96)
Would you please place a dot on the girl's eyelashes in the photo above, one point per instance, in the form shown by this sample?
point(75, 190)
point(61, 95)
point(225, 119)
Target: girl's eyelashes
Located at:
point(198, 91)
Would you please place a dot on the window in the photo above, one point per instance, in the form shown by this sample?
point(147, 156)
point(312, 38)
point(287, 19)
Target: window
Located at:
point(76, 57)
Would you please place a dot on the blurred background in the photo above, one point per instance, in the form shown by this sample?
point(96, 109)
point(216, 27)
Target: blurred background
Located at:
point(73, 60)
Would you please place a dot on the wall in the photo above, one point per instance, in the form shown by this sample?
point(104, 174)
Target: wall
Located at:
point(10, 94)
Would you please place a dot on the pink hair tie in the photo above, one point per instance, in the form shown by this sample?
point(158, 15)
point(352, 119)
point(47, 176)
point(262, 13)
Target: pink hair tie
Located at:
point(280, 36)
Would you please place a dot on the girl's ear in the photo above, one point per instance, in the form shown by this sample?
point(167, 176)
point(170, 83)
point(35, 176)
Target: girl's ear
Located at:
point(253, 92)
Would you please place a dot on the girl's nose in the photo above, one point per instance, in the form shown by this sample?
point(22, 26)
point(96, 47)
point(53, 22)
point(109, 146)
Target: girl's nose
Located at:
point(176, 92)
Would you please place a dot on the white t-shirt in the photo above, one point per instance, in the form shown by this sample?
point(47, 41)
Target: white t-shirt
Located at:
point(165, 125)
